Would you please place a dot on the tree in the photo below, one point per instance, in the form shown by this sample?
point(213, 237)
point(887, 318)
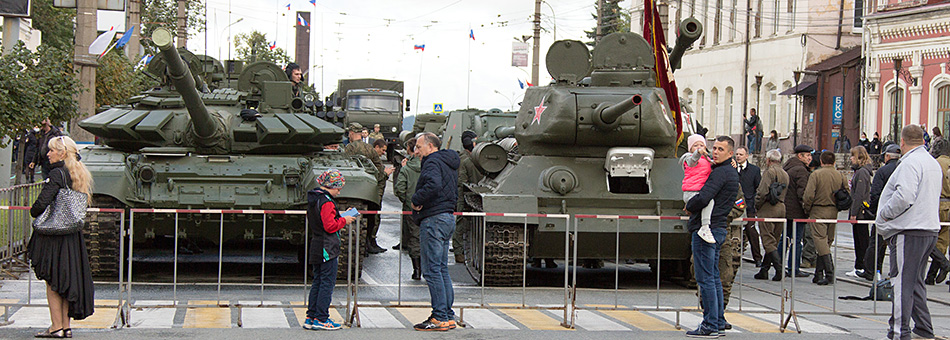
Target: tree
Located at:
point(614, 19)
point(117, 79)
point(34, 86)
point(254, 46)
point(164, 13)
point(55, 23)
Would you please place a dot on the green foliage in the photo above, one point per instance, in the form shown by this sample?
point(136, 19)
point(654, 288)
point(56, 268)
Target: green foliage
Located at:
point(55, 23)
point(34, 86)
point(117, 80)
point(164, 13)
point(254, 46)
point(615, 19)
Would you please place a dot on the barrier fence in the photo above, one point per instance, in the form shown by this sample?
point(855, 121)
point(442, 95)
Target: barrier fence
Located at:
point(14, 211)
point(787, 310)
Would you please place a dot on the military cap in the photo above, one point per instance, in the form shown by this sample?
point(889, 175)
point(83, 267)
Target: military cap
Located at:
point(892, 148)
point(803, 148)
point(355, 127)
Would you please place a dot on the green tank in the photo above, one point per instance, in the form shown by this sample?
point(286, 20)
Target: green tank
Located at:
point(491, 125)
point(609, 148)
point(183, 146)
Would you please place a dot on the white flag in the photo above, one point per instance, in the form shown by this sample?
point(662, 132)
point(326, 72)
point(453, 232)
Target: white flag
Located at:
point(102, 42)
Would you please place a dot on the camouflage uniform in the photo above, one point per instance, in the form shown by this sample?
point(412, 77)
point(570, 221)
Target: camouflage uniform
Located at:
point(468, 174)
point(358, 147)
point(729, 255)
point(404, 188)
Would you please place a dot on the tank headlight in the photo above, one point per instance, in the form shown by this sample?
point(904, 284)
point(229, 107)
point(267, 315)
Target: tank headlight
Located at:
point(394, 129)
point(147, 174)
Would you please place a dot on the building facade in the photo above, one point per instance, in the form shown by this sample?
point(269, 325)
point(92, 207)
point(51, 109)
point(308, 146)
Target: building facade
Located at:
point(916, 35)
point(719, 74)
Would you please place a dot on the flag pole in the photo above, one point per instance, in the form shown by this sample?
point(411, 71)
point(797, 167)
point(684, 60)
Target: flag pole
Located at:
point(419, 83)
point(468, 74)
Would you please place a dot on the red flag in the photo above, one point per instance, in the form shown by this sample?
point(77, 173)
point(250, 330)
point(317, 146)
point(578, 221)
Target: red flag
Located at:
point(653, 32)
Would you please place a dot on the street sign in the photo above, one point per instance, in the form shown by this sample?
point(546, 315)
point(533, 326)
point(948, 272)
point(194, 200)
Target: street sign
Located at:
point(519, 54)
point(837, 110)
point(437, 108)
point(15, 8)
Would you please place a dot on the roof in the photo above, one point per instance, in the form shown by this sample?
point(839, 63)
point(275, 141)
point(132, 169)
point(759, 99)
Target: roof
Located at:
point(837, 61)
point(808, 89)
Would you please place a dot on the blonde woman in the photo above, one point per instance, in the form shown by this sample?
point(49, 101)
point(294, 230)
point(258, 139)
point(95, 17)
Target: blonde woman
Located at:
point(61, 260)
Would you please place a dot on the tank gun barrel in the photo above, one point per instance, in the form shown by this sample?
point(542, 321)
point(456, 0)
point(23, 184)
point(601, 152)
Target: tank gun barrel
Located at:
point(609, 114)
point(184, 82)
point(689, 31)
point(504, 131)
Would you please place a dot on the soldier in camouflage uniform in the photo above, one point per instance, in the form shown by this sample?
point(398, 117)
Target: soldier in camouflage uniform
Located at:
point(468, 174)
point(358, 147)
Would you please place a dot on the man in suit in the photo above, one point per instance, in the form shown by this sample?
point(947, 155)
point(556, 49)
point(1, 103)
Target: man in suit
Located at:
point(749, 177)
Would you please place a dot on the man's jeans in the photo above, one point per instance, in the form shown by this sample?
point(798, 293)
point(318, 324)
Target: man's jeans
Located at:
point(706, 267)
point(796, 257)
point(324, 278)
point(434, 235)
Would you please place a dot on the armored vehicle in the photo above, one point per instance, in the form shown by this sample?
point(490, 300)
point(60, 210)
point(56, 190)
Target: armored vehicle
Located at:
point(371, 101)
point(608, 148)
point(251, 148)
point(491, 125)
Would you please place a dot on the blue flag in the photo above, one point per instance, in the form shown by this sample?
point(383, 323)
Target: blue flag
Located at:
point(125, 38)
point(520, 84)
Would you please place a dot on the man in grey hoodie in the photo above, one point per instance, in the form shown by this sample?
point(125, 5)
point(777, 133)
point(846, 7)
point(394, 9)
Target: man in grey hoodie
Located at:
point(907, 217)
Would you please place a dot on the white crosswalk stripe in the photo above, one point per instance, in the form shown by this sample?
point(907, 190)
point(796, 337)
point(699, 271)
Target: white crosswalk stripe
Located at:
point(263, 317)
point(377, 317)
point(486, 319)
point(590, 321)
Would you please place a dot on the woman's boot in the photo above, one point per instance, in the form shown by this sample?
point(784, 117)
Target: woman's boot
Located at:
point(416, 268)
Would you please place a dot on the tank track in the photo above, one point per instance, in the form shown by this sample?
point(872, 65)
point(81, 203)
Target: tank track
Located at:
point(344, 241)
point(101, 233)
point(504, 255)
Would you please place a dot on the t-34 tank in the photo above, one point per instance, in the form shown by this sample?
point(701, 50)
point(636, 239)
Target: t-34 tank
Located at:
point(609, 148)
point(252, 148)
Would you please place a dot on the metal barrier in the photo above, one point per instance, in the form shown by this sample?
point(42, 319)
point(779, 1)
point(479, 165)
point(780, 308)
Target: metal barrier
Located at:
point(15, 204)
point(352, 317)
point(834, 253)
point(659, 240)
point(23, 225)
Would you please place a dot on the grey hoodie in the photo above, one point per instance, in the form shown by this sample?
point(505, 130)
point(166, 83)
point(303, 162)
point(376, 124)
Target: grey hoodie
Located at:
point(911, 198)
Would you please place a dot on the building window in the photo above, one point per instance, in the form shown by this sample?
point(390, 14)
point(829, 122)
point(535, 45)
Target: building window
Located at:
point(791, 14)
point(732, 22)
point(730, 111)
point(705, 21)
point(718, 19)
point(789, 107)
point(775, 16)
point(758, 19)
point(714, 111)
point(943, 108)
point(858, 13)
point(773, 105)
point(700, 108)
point(897, 111)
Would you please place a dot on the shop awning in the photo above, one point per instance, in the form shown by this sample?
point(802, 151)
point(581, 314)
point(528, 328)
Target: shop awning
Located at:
point(808, 89)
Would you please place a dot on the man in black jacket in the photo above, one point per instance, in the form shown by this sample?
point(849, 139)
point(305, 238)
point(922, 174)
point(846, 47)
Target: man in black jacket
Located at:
point(433, 204)
point(47, 131)
point(797, 169)
point(749, 177)
point(721, 187)
point(875, 251)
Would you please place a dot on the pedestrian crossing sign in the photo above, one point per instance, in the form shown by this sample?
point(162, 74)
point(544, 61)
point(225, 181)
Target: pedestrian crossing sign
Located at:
point(437, 108)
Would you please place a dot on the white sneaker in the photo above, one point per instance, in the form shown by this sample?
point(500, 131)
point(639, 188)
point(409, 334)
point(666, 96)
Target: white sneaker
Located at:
point(706, 234)
point(855, 273)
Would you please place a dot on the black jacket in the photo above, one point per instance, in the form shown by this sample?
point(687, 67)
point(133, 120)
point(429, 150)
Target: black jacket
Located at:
point(437, 188)
point(797, 180)
point(40, 159)
point(324, 246)
point(722, 186)
point(880, 179)
point(58, 179)
point(749, 178)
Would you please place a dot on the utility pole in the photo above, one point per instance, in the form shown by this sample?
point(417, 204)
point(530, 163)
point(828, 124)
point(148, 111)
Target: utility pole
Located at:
point(182, 23)
point(132, 22)
point(11, 34)
point(85, 65)
point(745, 73)
point(536, 58)
point(600, 22)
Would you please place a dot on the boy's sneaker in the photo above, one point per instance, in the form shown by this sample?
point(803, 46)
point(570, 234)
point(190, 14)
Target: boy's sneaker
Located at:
point(432, 324)
point(326, 326)
point(706, 234)
point(308, 323)
point(702, 333)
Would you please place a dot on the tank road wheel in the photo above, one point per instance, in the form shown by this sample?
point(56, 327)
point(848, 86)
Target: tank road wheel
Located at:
point(101, 233)
point(344, 239)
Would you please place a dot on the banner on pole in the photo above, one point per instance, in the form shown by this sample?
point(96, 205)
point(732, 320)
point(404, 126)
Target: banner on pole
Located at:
point(519, 54)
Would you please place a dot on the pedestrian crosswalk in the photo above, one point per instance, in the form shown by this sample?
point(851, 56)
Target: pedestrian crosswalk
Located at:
point(270, 314)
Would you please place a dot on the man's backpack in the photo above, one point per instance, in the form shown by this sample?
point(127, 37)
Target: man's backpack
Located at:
point(882, 291)
point(842, 199)
point(775, 192)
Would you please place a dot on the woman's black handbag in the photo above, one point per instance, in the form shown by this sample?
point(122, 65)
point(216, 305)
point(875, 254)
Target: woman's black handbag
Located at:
point(64, 216)
point(842, 199)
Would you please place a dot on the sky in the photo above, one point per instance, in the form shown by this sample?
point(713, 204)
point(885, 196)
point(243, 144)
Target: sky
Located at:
point(375, 38)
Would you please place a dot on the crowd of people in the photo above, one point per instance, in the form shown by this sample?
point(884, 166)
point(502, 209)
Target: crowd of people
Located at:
point(907, 198)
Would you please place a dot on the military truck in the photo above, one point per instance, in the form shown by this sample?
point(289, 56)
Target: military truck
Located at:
point(180, 146)
point(609, 148)
point(371, 101)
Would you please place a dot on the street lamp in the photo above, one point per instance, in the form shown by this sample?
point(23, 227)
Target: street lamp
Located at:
point(511, 102)
point(553, 16)
point(797, 75)
point(226, 28)
point(844, 94)
point(758, 90)
point(895, 129)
